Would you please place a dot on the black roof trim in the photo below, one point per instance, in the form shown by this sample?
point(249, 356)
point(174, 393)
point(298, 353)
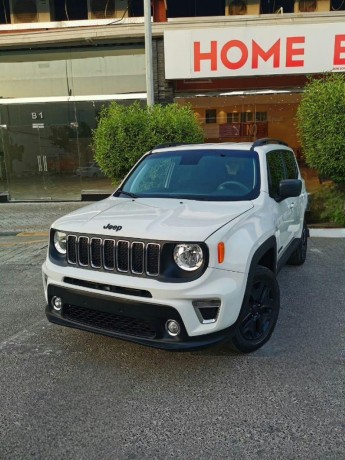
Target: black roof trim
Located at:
point(267, 140)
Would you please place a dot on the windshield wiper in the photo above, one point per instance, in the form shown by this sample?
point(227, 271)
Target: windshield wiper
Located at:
point(132, 195)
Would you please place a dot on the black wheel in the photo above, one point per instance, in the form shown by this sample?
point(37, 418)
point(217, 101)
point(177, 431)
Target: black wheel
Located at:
point(259, 312)
point(300, 254)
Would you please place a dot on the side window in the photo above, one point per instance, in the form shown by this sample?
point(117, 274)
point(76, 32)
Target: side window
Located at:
point(276, 172)
point(291, 165)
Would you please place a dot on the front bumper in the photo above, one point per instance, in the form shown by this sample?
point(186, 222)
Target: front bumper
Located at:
point(144, 318)
point(142, 323)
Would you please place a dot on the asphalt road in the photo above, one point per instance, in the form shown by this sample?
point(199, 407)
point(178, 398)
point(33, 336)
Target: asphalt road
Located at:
point(75, 395)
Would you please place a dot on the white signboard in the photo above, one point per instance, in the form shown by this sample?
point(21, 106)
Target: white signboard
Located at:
point(254, 50)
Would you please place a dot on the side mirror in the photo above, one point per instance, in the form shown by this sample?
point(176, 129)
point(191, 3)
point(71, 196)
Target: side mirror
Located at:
point(289, 188)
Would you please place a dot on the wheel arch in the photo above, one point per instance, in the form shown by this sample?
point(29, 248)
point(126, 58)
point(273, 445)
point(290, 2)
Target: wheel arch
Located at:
point(265, 255)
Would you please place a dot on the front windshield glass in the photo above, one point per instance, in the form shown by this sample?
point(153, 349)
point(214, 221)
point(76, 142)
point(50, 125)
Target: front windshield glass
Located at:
point(212, 175)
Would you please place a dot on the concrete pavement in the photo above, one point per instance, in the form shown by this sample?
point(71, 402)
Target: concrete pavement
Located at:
point(33, 217)
point(75, 395)
point(24, 229)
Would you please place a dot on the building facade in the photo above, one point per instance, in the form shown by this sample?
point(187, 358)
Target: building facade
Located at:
point(241, 65)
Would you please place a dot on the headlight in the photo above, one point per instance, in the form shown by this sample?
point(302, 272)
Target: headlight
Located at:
point(60, 242)
point(189, 257)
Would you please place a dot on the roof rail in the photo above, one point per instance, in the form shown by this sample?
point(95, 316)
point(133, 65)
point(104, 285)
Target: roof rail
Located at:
point(267, 140)
point(170, 144)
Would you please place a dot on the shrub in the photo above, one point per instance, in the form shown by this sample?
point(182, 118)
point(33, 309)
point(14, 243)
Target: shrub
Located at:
point(125, 133)
point(320, 124)
point(328, 205)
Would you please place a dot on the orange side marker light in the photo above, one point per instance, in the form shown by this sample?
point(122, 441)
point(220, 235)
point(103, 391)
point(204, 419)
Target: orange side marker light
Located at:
point(221, 252)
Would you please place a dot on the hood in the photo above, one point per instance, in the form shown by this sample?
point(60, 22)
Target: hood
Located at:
point(153, 218)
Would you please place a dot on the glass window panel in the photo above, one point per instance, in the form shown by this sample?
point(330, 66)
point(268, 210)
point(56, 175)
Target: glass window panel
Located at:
point(65, 73)
point(290, 164)
point(211, 116)
point(276, 172)
point(233, 117)
point(261, 116)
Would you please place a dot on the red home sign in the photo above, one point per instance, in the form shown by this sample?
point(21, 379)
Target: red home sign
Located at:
point(294, 54)
point(260, 50)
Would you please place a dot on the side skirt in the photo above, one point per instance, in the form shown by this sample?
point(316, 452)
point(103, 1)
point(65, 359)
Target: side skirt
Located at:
point(287, 253)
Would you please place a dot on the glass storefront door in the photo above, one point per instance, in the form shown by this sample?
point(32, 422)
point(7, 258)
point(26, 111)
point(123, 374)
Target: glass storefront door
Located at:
point(41, 152)
point(3, 172)
point(35, 166)
point(46, 151)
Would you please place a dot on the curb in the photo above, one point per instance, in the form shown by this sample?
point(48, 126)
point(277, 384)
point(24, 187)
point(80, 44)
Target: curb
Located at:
point(327, 232)
point(26, 234)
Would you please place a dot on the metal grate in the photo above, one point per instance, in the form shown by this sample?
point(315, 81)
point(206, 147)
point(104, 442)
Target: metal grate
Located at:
point(72, 249)
point(109, 254)
point(138, 257)
point(110, 322)
point(123, 256)
point(83, 251)
point(96, 252)
point(152, 259)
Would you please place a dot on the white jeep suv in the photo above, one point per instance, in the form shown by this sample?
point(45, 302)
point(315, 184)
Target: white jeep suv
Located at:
point(185, 253)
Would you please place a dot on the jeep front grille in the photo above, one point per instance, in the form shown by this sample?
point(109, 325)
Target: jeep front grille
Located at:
point(123, 256)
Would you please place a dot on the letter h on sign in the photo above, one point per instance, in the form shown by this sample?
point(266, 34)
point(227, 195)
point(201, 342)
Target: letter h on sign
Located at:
point(199, 56)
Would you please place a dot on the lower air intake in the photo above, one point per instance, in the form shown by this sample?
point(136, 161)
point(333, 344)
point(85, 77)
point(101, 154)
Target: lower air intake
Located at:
point(110, 322)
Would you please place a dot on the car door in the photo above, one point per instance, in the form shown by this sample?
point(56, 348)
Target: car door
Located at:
point(296, 203)
point(282, 208)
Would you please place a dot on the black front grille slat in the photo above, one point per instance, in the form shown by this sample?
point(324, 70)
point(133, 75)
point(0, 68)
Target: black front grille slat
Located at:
point(109, 254)
point(83, 250)
point(96, 252)
point(72, 249)
point(133, 258)
point(123, 256)
point(152, 259)
point(137, 257)
point(110, 322)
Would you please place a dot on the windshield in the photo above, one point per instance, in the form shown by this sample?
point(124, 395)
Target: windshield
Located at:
point(213, 175)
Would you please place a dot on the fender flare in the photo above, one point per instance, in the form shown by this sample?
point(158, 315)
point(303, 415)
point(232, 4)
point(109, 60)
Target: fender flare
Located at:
point(270, 243)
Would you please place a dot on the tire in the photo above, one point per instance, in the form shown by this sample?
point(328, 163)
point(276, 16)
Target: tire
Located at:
point(259, 312)
point(299, 255)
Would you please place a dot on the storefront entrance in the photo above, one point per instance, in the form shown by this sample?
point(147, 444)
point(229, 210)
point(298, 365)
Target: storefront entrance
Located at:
point(45, 151)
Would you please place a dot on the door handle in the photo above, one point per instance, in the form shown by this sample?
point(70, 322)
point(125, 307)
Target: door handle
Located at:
point(39, 162)
point(45, 163)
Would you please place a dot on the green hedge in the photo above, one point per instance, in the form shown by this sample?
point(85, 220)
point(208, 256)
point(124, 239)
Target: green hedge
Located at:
point(321, 125)
point(125, 133)
point(327, 205)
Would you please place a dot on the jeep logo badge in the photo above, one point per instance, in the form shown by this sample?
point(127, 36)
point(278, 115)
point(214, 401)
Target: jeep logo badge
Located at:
point(112, 227)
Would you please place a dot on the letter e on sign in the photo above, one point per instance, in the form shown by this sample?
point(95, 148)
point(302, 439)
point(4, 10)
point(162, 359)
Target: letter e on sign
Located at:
point(291, 51)
point(339, 49)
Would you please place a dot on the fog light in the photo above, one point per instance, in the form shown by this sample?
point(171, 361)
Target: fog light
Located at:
point(173, 327)
point(56, 303)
